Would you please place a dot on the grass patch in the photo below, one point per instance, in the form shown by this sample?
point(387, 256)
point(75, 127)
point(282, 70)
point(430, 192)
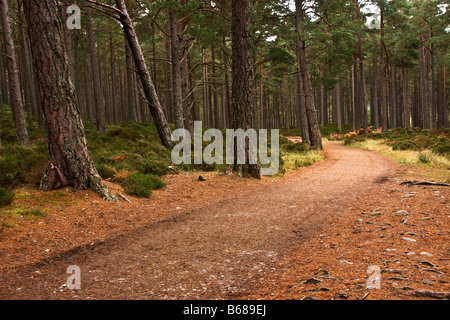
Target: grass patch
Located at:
point(425, 158)
point(295, 161)
point(6, 197)
point(294, 156)
point(34, 214)
point(141, 185)
point(6, 225)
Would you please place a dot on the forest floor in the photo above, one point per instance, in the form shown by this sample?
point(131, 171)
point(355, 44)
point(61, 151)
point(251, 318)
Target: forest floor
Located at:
point(311, 234)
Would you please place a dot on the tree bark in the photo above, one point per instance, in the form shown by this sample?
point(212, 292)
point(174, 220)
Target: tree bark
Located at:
point(176, 65)
point(129, 66)
point(242, 78)
point(70, 161)
point(205, 91)
point(13, 74)
point(315, 136)
point(149, 89)
point(405, 96)
point(99, 99)
point(217, 113)
point(303, 118)
point(424, 85)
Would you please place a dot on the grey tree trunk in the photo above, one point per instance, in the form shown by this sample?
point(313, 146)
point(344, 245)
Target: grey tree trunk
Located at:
point(13, 75)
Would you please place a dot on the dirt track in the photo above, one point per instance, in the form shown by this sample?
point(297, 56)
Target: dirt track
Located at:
point(220, 250)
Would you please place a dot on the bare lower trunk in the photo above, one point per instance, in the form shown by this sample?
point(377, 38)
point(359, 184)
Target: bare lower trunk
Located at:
point(70, 161)
point(242, 78)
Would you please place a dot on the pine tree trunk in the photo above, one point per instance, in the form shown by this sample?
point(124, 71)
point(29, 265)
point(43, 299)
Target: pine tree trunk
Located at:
point(441, 112)
point(338, 94)
point(315, 136)
point(3, 81)
point(433, 105)
point(405, 96)
point(99, 100)
point(13, 74)
point(226, 65)
point(217, 112)
point(287, 101)
point(149, 89)
point(176, 65)
point(375, 96)
point(205, 91)
point(169, 95)
point(383, 102)
point(393, 99)
point(70, 161)
point(424, 85)
point(242, 78)
point(114, 105)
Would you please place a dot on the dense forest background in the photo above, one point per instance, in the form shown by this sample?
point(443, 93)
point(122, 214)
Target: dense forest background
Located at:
point(372, 63)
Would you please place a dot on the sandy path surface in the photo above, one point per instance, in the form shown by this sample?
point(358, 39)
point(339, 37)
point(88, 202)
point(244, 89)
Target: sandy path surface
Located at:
point(220, 250)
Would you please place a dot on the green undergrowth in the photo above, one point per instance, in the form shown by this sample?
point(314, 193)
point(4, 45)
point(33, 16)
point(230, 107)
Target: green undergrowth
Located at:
point(437, 141)
point(129, 154)
point(429, 149)
point(6, 197)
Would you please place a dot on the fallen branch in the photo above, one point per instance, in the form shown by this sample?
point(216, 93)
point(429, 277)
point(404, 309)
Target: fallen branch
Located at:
point(424, 183)
point(124, 198)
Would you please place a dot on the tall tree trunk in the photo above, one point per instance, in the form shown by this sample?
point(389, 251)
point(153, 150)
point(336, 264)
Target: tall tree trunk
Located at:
point(169, 95)
point(287, 101)
point(375, 94)
point(114, 105)
point(315, 136)
point(424, 85)
point(261, 96)
point(149, 89)
point(3, 81)
point(70, 161)
point(242, 78)
point(176, 65)
point(354, 99)
point(441, 105)
point(205, 91)
point(405, 96)
point(433, 104)
point(217, 113)
point(99, 100)
point(13, 74)
point(363, 91)
point(393, 99)
point(338, 95)
point(25, 74)
point(226, 65)
point(383, 102)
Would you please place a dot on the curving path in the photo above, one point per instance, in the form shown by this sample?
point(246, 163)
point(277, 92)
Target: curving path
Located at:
point(222, 250)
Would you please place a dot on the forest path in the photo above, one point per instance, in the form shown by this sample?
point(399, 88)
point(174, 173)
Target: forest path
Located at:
point(222, 250)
